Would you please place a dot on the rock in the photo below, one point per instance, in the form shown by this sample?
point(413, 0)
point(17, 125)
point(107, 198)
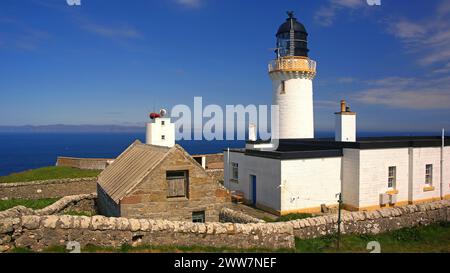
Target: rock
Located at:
point(122, 224)
point(135, 225)
point(4, 248)
point(31, 222)
point(50, 221)
point(145, 225)
point(65, 222)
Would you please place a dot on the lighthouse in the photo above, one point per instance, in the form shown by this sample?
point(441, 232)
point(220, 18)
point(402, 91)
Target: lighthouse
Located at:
point(292, 74)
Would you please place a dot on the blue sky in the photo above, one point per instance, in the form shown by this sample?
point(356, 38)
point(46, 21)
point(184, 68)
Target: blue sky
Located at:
point(113, 61)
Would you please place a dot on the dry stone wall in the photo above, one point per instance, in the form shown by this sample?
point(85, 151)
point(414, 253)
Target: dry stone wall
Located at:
point(80, 203)
point(48, 188)
point(84, 163)
point(374, 222)
point(40, 232)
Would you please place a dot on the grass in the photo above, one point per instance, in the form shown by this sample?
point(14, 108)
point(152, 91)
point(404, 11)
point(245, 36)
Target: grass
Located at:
point(80, 213)
point(431, 239)
point(32, 204)
point(48, 173)
point(288, 217)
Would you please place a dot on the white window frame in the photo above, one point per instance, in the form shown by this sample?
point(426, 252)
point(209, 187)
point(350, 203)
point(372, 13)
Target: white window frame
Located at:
point(234, 167)
point(392, 176)
point(429, 174)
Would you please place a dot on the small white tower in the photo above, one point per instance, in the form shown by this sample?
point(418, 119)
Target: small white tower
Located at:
point(345, 126)
point(160, 131)
point(292, 74)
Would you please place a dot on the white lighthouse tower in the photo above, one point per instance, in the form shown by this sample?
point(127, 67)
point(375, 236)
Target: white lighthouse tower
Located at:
point(292, 73)
point(161, 130)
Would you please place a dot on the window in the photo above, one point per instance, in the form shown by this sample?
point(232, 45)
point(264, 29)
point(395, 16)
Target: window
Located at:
point(234, 171)
point(392, 177)
point(163, 122)
point(198, 216)
point(177, 184)
point(283, 87)
point(163, 137)
point(429, 174)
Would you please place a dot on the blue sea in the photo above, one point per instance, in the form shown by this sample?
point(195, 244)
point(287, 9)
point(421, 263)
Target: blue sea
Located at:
point(24, 151)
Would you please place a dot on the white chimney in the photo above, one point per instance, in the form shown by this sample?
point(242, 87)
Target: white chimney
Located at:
point(345, 126)
point(252, 136)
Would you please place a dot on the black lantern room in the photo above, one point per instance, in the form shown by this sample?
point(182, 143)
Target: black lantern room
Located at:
point(292, 38)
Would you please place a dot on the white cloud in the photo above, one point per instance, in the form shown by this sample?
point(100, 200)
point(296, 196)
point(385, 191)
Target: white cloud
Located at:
point(428, 37)
point(120, 32)
point(326, 14)
point(409, 93)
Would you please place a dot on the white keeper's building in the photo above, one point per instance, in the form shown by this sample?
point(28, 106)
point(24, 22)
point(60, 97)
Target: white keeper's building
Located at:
point(304, 173)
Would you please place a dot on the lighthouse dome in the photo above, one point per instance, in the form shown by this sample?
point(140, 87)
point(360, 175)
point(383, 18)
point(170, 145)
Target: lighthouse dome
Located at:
point(292, 38)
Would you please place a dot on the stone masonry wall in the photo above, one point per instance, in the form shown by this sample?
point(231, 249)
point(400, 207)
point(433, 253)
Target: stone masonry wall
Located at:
point(84, 163)
point(216, 174)
point(47, 189)
point(80, 203)
point(40, 232)
point(374, 222)
point(21, 227)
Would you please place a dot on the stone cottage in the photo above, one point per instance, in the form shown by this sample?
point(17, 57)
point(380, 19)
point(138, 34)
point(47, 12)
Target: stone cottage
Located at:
point(148, 181)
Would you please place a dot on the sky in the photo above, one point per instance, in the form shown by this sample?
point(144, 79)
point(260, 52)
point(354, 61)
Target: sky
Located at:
point(114, 61)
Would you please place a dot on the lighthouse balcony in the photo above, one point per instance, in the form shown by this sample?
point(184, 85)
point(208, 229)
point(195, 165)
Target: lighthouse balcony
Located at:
point(293, 64)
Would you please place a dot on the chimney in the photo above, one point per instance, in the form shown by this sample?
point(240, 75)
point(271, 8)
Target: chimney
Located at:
point(252, 136)
point(345, 125)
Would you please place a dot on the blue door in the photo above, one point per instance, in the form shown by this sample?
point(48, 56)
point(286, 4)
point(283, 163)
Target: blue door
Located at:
point(253, 181)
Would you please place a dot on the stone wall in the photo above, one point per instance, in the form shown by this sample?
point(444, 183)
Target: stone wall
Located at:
point(216, 174)
point(40, 232)
point(231, 216)
point(374, 222)
point(47, 189)
point(84, 163)
point(21, 227)
point(78, 203)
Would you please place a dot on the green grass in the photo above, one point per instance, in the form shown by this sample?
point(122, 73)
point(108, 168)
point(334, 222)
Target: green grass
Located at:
point(48, 173)
point(80, 213)
point(433, 238)
point(289, 217)
point(32, 204)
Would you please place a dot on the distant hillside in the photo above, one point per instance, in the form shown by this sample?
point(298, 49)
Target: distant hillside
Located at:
point(59, 128)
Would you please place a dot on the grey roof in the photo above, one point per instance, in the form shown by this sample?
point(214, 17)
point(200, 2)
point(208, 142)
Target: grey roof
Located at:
point(130, 168)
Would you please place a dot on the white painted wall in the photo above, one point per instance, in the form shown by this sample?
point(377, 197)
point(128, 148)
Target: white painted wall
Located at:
point(296, 116)
point(350, 177)
point(374, 171)
point(267, 171)
point(308, 183)
point(421, 157)
point(446, 176)
point(345, 128)
point(155, 131)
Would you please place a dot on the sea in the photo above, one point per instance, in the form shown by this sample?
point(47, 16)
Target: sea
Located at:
point(25, 151)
